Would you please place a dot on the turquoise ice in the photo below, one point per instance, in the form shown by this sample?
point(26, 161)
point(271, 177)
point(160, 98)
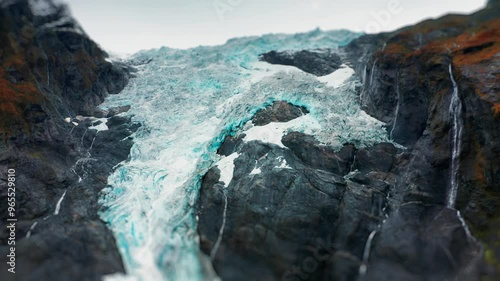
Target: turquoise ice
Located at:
point(187, 102)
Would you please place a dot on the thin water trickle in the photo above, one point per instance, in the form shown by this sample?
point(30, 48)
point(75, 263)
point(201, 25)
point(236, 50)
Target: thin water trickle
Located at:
point(221, 230)
point(455, 111)
point(28, 235)
point(92, 144)
point(59, 202)
point(366, 253)
point(396, 113)
point(369, 84)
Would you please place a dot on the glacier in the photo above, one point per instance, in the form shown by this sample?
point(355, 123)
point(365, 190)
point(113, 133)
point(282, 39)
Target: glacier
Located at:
point(187, 102)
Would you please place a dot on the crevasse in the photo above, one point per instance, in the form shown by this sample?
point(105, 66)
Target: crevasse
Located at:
point(187, 102)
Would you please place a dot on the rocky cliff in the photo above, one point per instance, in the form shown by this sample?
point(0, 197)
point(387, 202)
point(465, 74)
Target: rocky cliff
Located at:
point(293, 210)
point(303, 211)
point(52, 77)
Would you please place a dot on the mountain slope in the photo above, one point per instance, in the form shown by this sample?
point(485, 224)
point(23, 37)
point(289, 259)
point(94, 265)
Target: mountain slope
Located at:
point(51, 75)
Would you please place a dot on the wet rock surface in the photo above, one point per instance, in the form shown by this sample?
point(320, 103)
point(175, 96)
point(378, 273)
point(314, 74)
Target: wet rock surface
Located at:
point(408, 84)
point(284, 206)
point(51, 75)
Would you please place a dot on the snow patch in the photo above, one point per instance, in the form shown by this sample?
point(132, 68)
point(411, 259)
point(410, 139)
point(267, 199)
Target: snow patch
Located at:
point(102, 126)
point(283, 163)
point(256, 171)
point(226, 167)
point(274, 131)
point(337, 78)
point(263, 69)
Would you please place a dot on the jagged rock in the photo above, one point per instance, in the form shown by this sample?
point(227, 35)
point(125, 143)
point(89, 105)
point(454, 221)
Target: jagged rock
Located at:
point(317, 62)
point(283, 205)
point(304, 146)
point(279, 111)
point(440, 236)
point(51, 71)
point(231, 145)
point(408, 84)
point(395, 196)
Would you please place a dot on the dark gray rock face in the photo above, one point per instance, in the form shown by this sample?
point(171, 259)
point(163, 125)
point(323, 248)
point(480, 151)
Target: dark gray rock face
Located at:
point(303, 146)
point(423, 242)
point(278, 112)
point(49, 71)
point(291, 213)
point(317, 62)
point(309, 220)
point(493, 2)
point(276, 219)
point(408, 84)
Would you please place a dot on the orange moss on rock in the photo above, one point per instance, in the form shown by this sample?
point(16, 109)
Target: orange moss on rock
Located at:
point(15, 99)
point(475, 52)
point(496, 110)
point(478, 45)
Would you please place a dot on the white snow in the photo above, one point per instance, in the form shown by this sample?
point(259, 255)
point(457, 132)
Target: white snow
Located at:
point(43, 7)
point(283, 163)
point(256, 171)
point(100, 127)
point(59, 22)
point(274, 131)
point(226, 167)
point(337, 78)
point(263, 69)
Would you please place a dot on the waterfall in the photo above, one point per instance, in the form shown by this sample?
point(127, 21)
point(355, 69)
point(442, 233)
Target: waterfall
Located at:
point(366, 253)
point(374, 68)
point(58, 205)
point(456, 141)
point(221, 231)
point(369, 242)
point(363, 79)
point(470, 237)
point(28, 235)
point(368, 85)
point(397, 110)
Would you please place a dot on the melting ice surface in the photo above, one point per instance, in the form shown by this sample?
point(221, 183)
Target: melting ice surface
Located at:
point(187, 102)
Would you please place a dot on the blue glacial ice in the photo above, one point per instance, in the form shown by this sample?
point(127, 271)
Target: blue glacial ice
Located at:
point(187, 102)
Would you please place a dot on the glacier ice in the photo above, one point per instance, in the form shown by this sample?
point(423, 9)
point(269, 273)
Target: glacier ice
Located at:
point(188, 101)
